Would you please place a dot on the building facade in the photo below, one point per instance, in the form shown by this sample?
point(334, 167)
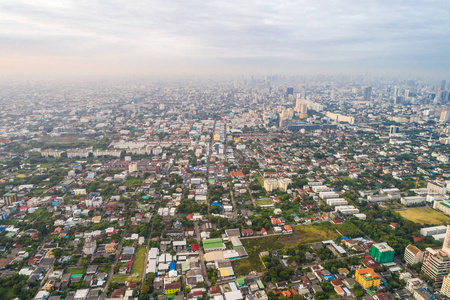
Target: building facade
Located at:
point(413, 255)
point(382, 253)
point(367, 278)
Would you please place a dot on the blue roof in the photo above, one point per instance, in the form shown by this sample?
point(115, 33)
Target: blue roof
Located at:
point(345, 238)
point(173, 265)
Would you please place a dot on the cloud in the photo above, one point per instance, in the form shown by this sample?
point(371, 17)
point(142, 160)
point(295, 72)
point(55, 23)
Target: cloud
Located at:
point(395, 34)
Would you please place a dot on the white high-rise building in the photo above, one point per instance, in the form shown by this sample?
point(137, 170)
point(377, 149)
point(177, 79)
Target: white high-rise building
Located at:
point(445, 116)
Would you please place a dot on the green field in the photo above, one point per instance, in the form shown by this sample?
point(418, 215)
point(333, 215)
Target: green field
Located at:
point(123, 278)
point(425, 215)
point(139, 260)
point(304, 234)
point(263, 201)
point(136, 270)
point(260, 180)
point(76, 271)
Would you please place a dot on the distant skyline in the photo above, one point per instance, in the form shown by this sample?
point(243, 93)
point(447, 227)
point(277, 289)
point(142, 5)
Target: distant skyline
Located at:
point(166, 38)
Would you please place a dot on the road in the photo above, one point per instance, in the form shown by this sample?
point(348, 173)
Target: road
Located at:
point(146, 254)
point(200, 251)
point(208, 163)
point(233, 202)
point(111, 272)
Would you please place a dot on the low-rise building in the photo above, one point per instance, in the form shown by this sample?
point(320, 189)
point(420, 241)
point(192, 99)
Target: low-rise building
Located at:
point(367, 278)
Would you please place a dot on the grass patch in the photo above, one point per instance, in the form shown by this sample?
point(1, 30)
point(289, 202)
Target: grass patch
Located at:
point(349, 229)
point(260, 180)
point(122, 278)
point(425, 215)
point(138, 263)
point(35, 214)
point(304, 234)
point(263, 201)
point(76, 271)
point(311, 234)
point(133, 181)
point(253, 248)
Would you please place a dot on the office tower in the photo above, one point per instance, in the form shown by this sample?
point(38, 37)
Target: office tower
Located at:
point(303, 108)
point(445, 116)
point(290, 91)
point(443, 85)
point(395, 91)
point(407, 93)
point(367, 93)
point(436, 264)
point(298, 102)
point(333, 95)
point(445, 96)
point(303, 92)
point(393, 130)
point(438, 97)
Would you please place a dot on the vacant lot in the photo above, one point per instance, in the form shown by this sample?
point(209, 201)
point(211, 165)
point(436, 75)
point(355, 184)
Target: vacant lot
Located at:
point(138, 264)
point(264, 201)
point(304, 234)
point(425, 215)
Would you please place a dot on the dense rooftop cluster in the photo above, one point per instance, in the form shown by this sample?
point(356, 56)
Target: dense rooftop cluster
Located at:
point(242, 189)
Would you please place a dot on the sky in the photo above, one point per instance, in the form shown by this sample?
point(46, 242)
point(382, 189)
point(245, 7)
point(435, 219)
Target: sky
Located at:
point(152, 37)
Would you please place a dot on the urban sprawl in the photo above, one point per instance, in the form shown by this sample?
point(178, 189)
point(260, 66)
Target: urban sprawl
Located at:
point(255, 188)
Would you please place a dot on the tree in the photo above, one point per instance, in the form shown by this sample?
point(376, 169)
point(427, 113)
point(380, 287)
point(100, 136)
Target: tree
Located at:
point(145, 289)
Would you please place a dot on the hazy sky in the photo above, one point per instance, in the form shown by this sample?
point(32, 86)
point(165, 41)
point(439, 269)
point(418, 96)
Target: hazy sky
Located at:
point(197, 37)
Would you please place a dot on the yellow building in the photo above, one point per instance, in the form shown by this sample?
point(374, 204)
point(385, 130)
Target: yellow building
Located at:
point(270, 185)
point(172, 288)
point(216, 137)
point(367, 278)
point(445, 289)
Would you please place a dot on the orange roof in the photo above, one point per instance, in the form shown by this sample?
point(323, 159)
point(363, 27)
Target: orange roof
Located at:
point(237, 174)
point(288, 227)
point(287, 294)
point(338, 289)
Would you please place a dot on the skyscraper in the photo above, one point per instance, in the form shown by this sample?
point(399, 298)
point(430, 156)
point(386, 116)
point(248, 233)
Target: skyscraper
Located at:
point(290, 91)
point(443, 85)
point(333, 95)
point(445, 116)
point(367, 93)
point(303, 92)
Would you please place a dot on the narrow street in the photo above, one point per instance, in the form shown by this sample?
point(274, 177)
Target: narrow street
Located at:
point(200, 250)
point(111, 271)
point(208, 163)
